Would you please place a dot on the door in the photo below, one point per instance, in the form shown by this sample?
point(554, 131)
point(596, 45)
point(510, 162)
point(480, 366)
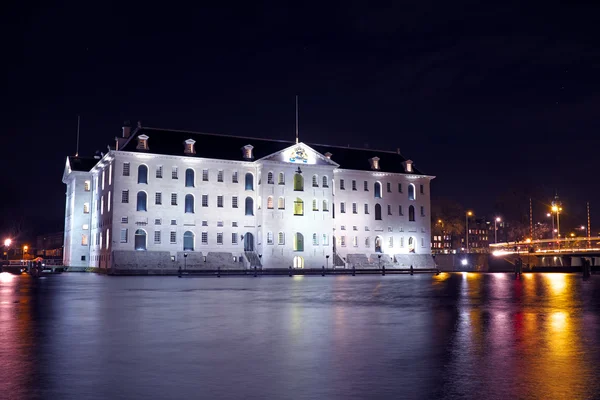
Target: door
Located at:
point(248, 242)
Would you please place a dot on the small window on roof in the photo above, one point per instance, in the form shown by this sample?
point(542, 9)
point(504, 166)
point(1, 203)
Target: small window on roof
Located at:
point(189, 146)
point(247, 152)
point(142, 142)
point(374, 163)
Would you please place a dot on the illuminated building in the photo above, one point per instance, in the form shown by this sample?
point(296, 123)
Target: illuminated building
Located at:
point(164, 198)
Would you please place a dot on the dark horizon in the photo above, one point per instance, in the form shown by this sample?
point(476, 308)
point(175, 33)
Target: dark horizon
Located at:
point(492, 100)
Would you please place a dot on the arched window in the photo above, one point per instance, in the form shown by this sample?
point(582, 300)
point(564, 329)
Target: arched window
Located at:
point(249, 181)
point(281, 203)
point(189, 177)
point(325, 205)
point(142, 174)
point(270, 178)
point(315, 239)
point(325, 182)
point(315, 205)
point(298, 182)
point(249, 206)
point(142, 201)
point(298, 206)
point(189, 204)
point(315, 181)
point(378, 244)
point(298, 242)
point(411, 213)
point(140, 240)
point(281, 179)
point(270, 202)
point(377, 212)
point(411, 192)
point(188, 241)
point(377, 190)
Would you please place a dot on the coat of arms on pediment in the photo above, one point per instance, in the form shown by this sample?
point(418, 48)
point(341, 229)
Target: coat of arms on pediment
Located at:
point(298, 154)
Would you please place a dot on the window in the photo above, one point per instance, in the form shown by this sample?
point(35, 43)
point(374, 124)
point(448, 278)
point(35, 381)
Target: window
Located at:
point(281, 178)
point(204, 200)
point(400, 212)
point(325, 240)
point(422, 211)
point(158, 198)
point(204, 237)
point(85, 227)
point(173, 199)
point(377, 212)
point(298, 242)
point(270, 202)
point(298, 182)
point(269, 237)
point(124, 220)
point(142, 174)
point(234, 202)
point(391, 242)
point(110, 175)
point(156, 237)
point(281, 203)
point(298, 206)
point(157, 221)
point(315, 206)
point(126, 169)
point(84, 240)
point(124, 235)
point(249, 181)
point(188, 241)
point(220, 238)
point(101, 205)
point(422, 242)
point(220, 175)
point(189, 204)
point(325, 205)
point(366, 208)
point(367, 242)
point(82, 258)
point(399, 188)
point(325, 182)
point(315, 181)
point(354, 208)
point(234, 177)
point(411, 192)
point(343, 227)
point(389, 207)
point(342, 207)
point(108, 202)
point(343, 241)
point(377, 190)
point(249, 206)
point(411, 213)
point(220, 201)
point(389, 187)
point(204, 175)
point(281, 238)
point(125, 196)
point(353, 184)
point(421, 189)
point(140, 240)
point(189, 177)
point(355, 241)
point(270, 180)
point(159, 171)
point(234, 238)
point(141, 201)
point(86, 186)
point(342, 186)
point(204, 223)
point(315, 238)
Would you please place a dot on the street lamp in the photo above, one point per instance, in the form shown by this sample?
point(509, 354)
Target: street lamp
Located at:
point(327, 258)
point(496, 229)
point(7, 243)
point(469, 213)
point(184, 261)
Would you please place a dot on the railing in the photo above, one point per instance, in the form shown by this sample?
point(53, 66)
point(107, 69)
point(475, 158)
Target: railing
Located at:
point(566, 245)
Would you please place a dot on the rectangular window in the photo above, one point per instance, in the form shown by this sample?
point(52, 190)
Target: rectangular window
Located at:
point(157, 221)
point(234, 202)
point(158, 198)
point(421, 189)
point(269, 237)
point(125, 196)
point(390, 229)
point(174, 173)
point(84, 240)
point(219, 224)
point(280, 238)
point(367, 242)
point(108, 203)
point(234, 177)
point(366, 186)
point(422, 211)
point(110, 174)
point(103, 179)
point(355, 241)
point(401, 241)
point(391, 242)
point(157, 237)
point(399, 188)
point(343, 241)
point(234, 224)
point(173, 237)
point(353, 184)
point(205, 175)
point(204, 237)
point(315, 239)
point(325, 240)
point(204, 223)
point(389, 187)
point(204, 200)
point(234, 238)
point(173, 199)
point(87, 186)
point(366, 208)
point(220, 201)
point(389, 209)
point(342, 207)
point(173, 222)
point(126, 169)
point(367, 229)
point(219, 237)
point(400, 211)
point(124, 220)
point(86, 208)
point(422, 242)
point(124, 235)
point(354, 208)
point(159, 171)
point(354, 228)
point(343, 227)
point(220, 176)
point(85, 227)
point(342, 186)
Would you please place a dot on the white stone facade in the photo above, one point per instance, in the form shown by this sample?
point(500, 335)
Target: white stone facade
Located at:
point(77, 217)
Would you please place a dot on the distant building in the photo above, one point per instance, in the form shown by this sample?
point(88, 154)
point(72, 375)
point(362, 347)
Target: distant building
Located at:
point(50, 245)
point(215, 200)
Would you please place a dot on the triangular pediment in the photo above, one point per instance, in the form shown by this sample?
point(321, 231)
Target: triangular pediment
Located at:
point(300, 154)
point(67, 171)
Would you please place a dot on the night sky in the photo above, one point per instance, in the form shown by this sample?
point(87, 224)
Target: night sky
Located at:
point(490, 99)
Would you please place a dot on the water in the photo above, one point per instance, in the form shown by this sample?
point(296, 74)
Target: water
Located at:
point(454, 336)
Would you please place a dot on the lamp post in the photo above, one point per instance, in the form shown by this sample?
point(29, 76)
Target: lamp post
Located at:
point(7, 243)
point(379, 257)
point(185, 261)
point(469, 213)
point(550, 215)
point(496, 229)
point(327, 260)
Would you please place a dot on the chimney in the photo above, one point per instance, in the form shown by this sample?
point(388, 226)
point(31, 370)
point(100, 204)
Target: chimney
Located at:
point(126, 129)
point(139, 125)
point(398, 150)
point(97, 156)
point(328, 155)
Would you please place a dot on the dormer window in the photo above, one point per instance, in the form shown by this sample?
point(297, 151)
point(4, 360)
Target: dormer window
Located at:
point(142, 142)
point(189, 146)
point(374, 163)
point(408, 166)
point(328, 155)
point(247, 152)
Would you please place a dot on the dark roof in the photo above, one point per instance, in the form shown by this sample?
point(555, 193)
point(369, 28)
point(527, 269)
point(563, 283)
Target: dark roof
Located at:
point(224, 147)
point(82, 163)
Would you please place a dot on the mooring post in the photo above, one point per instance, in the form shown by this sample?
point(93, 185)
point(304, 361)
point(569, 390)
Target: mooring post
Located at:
point(290, 271)
point(218, 272)
point(323, 270)
point(353, 271)
point(255, 272)
point(411, 269)
point(383, 270)
point(179, 271)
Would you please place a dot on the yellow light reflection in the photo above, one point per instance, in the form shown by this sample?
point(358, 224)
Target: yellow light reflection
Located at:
point(441, 277)
point(558, 321)
point(558, 282)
